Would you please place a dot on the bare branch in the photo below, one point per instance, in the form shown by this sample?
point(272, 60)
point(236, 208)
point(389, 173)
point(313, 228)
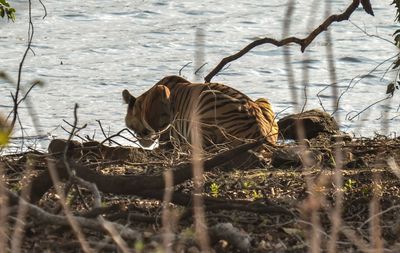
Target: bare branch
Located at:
point(304, 43)
point(21, 64)
point(34, 83)
point(44, 8)
point(184, 66)
point(366, 108)
point(69, 170)
point(118, 134)
point(200, 68)
point(104, 134)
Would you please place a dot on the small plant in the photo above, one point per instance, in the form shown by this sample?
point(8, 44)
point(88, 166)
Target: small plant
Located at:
point(256, 194)
point(366, 191)
point(139, 246)
point(214, 188)
point(247, 184)
point(6, 9)
point(70, 199)
point(349, 185)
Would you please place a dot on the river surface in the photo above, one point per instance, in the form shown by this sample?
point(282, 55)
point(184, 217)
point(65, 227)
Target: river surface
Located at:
point(87, 52)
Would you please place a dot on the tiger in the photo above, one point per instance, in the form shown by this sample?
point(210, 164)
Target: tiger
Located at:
point(174, 107)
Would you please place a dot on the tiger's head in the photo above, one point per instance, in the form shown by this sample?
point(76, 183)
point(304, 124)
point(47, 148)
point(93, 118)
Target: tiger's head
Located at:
point(149, 114)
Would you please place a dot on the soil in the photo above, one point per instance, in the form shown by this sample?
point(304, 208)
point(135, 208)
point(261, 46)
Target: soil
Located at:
point(305, 182)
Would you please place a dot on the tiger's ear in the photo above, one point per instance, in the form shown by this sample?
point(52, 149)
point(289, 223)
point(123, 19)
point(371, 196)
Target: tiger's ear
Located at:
point(128, 98)
point(164, 93)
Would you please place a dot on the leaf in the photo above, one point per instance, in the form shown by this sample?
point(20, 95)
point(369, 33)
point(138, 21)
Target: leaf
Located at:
point(4, 132)
point(390, 88)
point(396, 63)
point(3, 2)
point(397, 3)
point(397, 38)
point(396, 32)
point(366, 4)
point(4, 137)
point(11, 15)
point(5, 9)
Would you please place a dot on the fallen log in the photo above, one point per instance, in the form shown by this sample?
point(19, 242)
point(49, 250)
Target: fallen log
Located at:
point(128, 184)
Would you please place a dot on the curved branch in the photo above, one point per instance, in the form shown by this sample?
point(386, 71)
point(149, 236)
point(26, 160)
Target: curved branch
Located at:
point(303, 43)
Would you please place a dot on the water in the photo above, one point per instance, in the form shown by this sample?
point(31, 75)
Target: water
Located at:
point(87, 52)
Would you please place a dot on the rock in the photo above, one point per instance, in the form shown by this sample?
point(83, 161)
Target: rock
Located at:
point(315, 122)
point(356, 163)
point(57, 148)
point(295, 156)
point(93, 150)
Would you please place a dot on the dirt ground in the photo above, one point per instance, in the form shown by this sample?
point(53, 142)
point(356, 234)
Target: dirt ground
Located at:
point(289, 202)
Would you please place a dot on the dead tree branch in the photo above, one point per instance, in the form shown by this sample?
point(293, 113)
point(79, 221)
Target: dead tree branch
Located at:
point(303, 43)
point(130, 184)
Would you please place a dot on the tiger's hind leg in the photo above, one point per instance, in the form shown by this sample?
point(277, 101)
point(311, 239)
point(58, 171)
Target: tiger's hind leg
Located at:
point(266, 109)
point(270, 124)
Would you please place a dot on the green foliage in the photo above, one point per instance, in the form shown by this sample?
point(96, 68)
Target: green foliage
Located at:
point(251, 193)
point(214, 188)
point(397, 3)
point(4, 132)
point(139, 246)
point(349, 185)
point(4, 137)
point(247, 184)
point(256, 194)
point(7, 10)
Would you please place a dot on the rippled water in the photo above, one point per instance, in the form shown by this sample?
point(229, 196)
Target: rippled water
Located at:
point(87, 52)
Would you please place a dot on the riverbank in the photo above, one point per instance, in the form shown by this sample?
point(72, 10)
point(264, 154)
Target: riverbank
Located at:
point(277, 205)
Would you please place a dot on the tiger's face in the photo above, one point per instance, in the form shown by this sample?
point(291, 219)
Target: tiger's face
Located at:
point(148, 114)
